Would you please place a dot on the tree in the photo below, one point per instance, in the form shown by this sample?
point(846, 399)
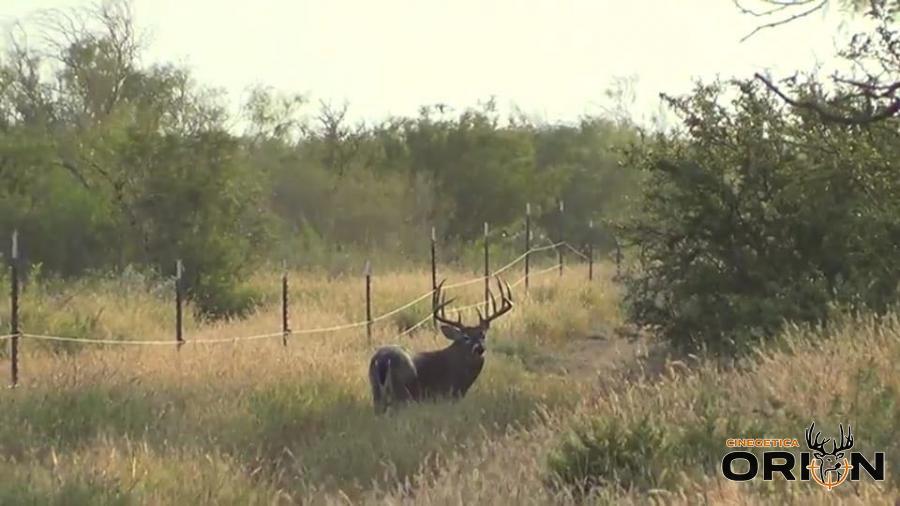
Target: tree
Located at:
point(872, 92)
point(136, 161)
point(755, 215)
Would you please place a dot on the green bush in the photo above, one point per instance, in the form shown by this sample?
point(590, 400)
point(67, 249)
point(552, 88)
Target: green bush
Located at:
point(755, 215)
point(607, 452)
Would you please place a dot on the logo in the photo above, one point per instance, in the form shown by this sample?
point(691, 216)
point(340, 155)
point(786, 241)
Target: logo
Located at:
point(829, 468)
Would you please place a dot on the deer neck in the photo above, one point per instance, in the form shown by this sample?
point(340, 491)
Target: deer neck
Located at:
point(451, 369)
point(465, 364)
point(461, 354)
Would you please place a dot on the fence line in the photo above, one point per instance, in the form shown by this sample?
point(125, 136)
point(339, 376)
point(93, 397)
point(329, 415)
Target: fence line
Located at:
point(505, 268)
point(410, 330)
point(335, 328)
point(575, 250)
point(457, 310)
point(523, 255)
point(538, 273)
point(408, 305)
point(40, 337)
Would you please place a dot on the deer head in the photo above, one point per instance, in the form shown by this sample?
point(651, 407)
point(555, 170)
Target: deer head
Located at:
point(829, 462)
point(471, 338)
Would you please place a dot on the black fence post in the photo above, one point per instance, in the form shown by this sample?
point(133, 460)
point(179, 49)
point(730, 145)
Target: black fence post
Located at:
point(618, 259)
point(14, 310)
point(285, 322)
point(179, 298)
point(487, 267)
point(433, 273)
point(559, 249)
point(368, 273)
point(527, 242)
point(591, 251)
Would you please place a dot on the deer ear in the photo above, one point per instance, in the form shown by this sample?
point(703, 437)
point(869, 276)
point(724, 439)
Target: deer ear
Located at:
point(451, 333)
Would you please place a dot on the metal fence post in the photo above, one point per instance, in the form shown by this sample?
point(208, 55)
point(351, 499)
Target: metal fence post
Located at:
point(433, 273)
point(179, 298)
point(14, 310)
point(368, 273)
point(527, 242)
point(591, 251)
point(618, 259)
point(487, 267)
point(285, 322)
point(559, 249)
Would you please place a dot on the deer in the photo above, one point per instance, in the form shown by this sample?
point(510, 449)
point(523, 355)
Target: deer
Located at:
point(399, 377)
point(830, 464)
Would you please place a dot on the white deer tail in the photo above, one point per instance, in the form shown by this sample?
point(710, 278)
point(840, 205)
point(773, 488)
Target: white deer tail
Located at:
point(382, 382)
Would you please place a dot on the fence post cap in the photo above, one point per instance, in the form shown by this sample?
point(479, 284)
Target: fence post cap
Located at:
point(179, 268)
point(433, 234)
point(15, 244)
point(367, 270)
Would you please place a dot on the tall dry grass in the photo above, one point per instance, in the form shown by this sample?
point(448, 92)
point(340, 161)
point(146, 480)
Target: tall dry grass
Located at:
point(262, 424)
point(661, 440)
point(255, 422)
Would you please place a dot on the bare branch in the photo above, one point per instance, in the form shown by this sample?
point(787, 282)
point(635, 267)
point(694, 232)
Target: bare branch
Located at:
point(858, 119)
point(781, 6)
point(872, 89)
point(761, 14)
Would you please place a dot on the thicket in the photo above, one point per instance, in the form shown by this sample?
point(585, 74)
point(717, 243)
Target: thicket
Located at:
point(773, 202)
point(106, 162)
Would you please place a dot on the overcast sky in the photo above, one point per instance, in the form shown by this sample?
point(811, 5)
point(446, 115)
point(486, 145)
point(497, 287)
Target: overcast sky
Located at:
point(552, 58)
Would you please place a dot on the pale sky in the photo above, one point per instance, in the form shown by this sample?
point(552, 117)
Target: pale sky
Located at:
point(552, 58)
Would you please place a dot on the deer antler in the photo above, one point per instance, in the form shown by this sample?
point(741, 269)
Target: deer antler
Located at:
point(816, 446)
point(439, 302)
point(845, 445)
point(506, 303)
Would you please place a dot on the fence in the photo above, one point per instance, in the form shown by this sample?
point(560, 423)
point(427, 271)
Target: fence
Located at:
point(16, 333)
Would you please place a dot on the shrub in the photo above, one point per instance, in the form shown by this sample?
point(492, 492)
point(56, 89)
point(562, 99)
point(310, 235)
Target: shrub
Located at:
point(754, 215)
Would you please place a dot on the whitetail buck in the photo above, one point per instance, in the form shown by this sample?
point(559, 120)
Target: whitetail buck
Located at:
point(398, 377)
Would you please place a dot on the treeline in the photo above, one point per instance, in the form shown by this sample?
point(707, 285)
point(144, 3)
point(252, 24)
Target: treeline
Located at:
point(107, 163)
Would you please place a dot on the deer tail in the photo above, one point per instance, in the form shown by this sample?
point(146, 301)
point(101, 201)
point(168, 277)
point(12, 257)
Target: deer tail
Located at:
point(380, 378)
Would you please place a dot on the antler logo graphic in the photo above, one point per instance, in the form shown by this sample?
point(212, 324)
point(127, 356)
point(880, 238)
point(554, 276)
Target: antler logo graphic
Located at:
point(829, 469)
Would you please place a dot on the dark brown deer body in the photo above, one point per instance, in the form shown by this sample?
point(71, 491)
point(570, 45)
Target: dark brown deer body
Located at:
point(398, 377)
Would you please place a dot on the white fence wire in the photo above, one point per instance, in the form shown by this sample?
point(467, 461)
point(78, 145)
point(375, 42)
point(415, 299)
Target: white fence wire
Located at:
point(335, 328)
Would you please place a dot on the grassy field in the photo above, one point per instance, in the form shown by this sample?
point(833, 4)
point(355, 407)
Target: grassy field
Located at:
point(253, 422)
point(564, 402)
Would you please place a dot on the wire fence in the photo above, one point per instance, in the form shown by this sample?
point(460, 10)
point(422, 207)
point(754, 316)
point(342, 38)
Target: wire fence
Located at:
point(575, 250)
point(428, 318)
point(506, 267)
point(335, 328)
